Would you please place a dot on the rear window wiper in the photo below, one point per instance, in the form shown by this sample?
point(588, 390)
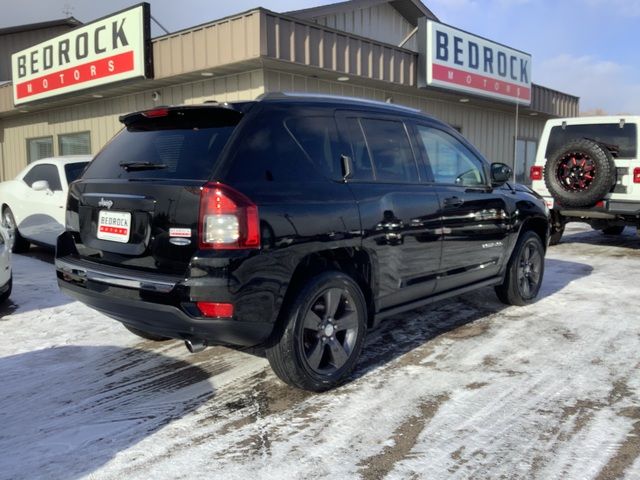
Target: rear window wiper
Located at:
point(130, 166)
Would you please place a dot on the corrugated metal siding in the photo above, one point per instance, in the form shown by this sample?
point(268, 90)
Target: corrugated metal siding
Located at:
point(554, 103)
point(303, 43)
point(380, 22)
point(491, 131)
point(101, 117)
point(15, 42)
point(230, 40)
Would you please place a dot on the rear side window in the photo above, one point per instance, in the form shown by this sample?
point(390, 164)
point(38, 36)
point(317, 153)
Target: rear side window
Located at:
point(268, 152)
point(45, 171)
point(74, 170)
point(318, 136)
point(390, 150)
point(181, 146)
point(624, 139)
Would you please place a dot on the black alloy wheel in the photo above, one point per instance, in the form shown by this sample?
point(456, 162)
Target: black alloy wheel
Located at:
point(322, 333)
point(525, 271)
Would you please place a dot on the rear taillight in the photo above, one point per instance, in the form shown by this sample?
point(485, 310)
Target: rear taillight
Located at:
point(535, 173)
point(156, 112)
point(215, 309)
point(636, 175)
point(228, 219)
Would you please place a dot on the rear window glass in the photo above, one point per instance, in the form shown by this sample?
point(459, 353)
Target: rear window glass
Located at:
point(318, 136)
point(74, 170)
point(610, 133)
point(183, 147)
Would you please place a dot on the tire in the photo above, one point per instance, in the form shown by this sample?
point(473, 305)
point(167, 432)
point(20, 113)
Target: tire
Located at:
point(322, 335)
point(615, 230)
point(18, 243)
point(524, 272)
point(5, 296)
point(580, 173)
point(556, 236)
point(146, 335)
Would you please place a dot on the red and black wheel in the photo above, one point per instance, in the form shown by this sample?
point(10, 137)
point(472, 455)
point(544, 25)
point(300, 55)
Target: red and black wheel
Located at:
point(580, 173)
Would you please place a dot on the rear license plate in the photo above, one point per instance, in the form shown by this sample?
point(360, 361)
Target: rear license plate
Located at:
point(114, 226)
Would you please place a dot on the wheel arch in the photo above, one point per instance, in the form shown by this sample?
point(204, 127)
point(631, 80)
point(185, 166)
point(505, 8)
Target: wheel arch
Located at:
point(353, 261)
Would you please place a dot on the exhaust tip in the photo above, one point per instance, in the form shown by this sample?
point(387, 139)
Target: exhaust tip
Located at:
point(195, 345)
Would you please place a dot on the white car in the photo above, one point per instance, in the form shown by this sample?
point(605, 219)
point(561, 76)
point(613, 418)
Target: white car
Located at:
point(33, 204)
point(6, 279)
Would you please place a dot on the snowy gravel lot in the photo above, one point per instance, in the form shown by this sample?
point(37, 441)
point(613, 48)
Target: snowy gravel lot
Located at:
point(463, 389)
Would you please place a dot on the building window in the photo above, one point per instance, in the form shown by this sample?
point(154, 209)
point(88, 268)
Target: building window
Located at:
point(525, 158)
point(38, 148)
point(74, 143)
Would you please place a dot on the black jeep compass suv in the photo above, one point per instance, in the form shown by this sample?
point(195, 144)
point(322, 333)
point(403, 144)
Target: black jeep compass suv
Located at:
point(293, 223)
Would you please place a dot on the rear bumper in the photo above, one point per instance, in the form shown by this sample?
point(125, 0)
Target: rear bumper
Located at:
point(169, 321)
point(611, 209)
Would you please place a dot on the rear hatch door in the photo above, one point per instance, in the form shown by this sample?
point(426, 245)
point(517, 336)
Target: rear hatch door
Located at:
point(137, 204)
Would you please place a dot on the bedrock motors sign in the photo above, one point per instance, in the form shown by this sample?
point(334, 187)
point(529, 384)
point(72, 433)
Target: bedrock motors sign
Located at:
point(106, 51)
point(458, 60)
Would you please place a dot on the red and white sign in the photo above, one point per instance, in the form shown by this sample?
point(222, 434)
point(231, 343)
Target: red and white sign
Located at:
point(180, 232)
point(108, 50)
point(114, 226)
point(458, 60)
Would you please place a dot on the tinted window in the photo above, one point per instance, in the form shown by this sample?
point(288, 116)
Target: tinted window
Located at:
point(318, 136)
point(45, 171)
point(185, 144)
point(625, 139)
point(267, 151)
point(390, 150)
point(450, 161)
point(362, 168)
point(74, 170)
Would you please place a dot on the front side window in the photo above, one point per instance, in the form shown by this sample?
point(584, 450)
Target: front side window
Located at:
point(39, 148)
point(45, 171)
point(450, 160)
point(390, 150)
point(74, 143)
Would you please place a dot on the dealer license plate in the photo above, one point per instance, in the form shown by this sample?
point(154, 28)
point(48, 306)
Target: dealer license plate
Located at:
point(114, 226)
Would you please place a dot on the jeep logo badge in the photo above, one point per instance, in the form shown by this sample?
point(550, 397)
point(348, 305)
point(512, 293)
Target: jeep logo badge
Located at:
point(105, 203)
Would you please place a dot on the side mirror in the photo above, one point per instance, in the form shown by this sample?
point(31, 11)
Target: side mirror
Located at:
point(40, 186)
point(500, 174)
point(347, 166)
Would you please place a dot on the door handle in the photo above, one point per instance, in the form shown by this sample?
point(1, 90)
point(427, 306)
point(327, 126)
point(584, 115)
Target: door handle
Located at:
point(453, 202)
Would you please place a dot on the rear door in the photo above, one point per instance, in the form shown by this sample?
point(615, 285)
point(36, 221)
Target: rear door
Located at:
point(138, 202)
point(399, 213)
point(475, 217)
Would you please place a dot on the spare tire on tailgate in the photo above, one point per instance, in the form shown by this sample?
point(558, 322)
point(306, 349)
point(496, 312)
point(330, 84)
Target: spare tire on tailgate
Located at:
point(580, 173)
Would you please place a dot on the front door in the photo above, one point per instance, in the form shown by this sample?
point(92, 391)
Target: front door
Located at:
point(475, 217)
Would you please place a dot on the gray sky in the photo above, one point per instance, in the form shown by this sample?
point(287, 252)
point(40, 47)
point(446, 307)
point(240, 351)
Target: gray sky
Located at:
point(587, 48)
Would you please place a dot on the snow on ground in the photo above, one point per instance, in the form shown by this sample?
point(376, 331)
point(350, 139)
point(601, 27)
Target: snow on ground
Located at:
point(465, 388)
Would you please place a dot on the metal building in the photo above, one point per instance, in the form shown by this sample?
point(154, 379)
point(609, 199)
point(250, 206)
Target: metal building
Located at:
point(373, 49)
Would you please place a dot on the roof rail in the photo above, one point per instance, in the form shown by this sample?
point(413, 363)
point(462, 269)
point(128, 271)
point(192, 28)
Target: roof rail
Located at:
point(321, 96)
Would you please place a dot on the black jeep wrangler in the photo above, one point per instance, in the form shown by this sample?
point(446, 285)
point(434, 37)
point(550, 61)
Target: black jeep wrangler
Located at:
point(293, 223)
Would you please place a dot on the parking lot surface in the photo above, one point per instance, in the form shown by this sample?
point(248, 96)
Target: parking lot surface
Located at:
point(465, 388)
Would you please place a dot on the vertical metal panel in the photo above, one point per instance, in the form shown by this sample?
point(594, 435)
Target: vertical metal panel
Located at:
point(101, 117)
point(379, 22)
